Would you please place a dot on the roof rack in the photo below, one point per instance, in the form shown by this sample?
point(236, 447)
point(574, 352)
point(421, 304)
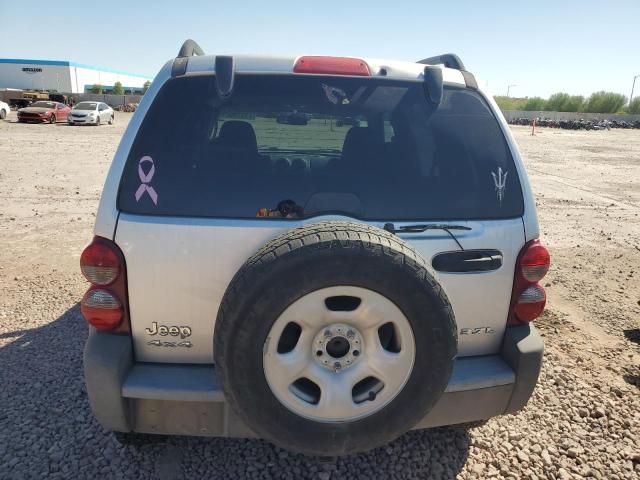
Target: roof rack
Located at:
point(449, 60)
point(189, 49)
point(224, 65)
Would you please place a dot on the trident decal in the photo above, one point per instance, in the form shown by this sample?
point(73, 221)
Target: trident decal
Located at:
point(500, 183)
point(146, 179)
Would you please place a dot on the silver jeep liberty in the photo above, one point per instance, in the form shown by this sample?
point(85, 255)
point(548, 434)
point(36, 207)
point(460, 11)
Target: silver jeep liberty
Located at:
point(324, 252)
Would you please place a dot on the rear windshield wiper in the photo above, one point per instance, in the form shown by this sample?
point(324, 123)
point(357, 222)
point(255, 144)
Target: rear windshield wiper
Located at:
point(390, 227)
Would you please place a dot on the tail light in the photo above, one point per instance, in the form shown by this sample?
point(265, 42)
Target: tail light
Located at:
point(528, 298)
point(102, 309)
point(535, 262)
point(100, 264)
point(332, 66)
point(105, 305)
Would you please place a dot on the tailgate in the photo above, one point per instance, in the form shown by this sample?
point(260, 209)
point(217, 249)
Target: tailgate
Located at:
point(178, 270)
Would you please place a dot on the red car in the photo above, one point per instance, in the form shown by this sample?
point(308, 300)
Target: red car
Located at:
point(44, 111)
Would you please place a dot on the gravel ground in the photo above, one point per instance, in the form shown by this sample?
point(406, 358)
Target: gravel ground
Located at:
point(583, 419)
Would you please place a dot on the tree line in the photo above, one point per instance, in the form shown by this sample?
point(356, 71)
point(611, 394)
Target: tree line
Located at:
point(598, 102)
point(118, 89)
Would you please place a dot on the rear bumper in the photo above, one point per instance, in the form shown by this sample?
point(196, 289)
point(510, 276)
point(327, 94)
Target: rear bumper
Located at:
point(188, 399)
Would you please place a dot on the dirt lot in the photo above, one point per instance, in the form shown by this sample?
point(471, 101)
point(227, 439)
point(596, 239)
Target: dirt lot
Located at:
point(583, 420)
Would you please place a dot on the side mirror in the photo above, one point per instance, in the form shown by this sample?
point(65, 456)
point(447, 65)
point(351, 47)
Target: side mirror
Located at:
point(433, 84)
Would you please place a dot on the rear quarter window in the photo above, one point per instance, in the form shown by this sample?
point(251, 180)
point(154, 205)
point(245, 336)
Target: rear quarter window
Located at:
point(370, 148)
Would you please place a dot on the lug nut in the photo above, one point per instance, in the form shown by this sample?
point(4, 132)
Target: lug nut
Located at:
point(350, 334)
point(337, 366)
point(327, 333)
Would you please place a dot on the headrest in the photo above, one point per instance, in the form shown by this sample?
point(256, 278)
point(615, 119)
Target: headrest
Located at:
point(238, 134)
point(358, 142)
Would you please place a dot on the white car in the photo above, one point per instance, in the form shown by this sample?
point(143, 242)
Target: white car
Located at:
point(92, 113)
point(324, 288)
point(4, 110)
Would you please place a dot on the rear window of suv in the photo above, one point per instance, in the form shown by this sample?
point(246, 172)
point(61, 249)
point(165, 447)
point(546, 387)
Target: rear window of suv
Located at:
point(299, 146)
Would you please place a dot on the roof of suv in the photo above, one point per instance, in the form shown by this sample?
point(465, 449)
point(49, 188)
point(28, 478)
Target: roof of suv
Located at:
point(284, 65)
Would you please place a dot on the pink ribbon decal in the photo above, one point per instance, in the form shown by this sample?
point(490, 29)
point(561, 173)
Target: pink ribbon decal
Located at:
point(146, 179)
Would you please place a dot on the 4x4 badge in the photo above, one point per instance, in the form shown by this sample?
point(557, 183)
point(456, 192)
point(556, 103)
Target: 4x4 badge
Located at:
point(159, 343)
point(500, 183)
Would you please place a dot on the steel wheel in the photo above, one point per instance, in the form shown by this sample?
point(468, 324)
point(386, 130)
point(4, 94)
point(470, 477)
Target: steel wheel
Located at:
point(339, 354)
point(52, 119)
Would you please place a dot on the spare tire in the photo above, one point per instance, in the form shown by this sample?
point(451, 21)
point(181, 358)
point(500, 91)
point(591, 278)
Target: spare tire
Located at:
point(333, 339)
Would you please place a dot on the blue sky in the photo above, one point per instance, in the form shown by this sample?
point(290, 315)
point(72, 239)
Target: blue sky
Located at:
point(541, 46)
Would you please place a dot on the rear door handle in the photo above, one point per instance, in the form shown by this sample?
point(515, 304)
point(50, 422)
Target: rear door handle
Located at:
point(468, 261)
